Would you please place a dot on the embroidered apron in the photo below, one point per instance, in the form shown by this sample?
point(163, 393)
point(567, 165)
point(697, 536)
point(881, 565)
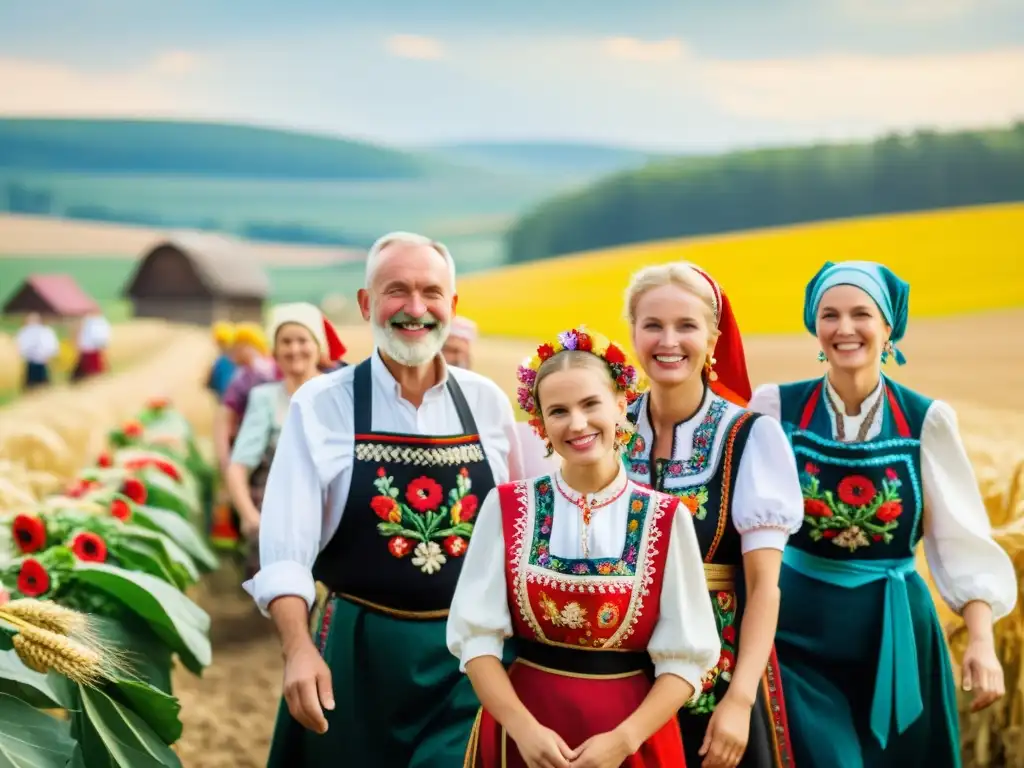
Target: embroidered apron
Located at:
point(386, 581)
point(868, 678)
point(710, 505)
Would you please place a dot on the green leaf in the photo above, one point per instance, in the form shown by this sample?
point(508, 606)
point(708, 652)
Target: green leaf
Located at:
point(169, 554)
point(141, 556)
point(182, 532)
point(30, 738)
point(165, 493)
point(174, 618)
point(122, 738)
point(39, 690)
point(396, 529)
point(160, 710)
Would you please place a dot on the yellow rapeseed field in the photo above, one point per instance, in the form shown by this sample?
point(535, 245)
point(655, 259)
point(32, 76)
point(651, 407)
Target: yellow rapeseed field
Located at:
point(957, 260)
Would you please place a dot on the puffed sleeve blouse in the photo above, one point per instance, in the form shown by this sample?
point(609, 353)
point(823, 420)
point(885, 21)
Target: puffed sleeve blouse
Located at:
point(685, 640)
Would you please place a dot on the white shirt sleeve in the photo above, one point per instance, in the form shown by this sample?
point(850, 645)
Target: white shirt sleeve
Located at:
point(767, 400)
point(768, 505)
point(685, 640)
point(964, 560)
point(479, 619)
point(291, 517)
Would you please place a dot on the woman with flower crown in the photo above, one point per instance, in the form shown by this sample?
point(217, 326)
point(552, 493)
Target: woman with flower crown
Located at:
point(734, 472)
point(596, 580)
point(867, 672)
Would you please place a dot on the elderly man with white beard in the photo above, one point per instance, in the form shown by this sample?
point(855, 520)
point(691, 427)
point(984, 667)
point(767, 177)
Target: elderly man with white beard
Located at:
point(368, 511)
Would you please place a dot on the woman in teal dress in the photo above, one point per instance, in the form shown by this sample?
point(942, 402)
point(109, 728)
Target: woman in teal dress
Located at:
point(868, 677)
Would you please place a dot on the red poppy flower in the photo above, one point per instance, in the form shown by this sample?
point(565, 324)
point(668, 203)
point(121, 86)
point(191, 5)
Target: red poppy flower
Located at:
point(89, 548)
point(726, 661)
point(614, 355)
point(29, 532)
point(134, 489)
point(584, 343)
point(386, 508)
point(544, 351)
point(33, 580)
point(811, 468)
point(455, 546)
point(729, 633)
point(830, 533)
point(424, 494)
point(889, 511)
point(119, 508)
point(399, 546)
point(816, 508)
point(104, 460)
point(856, 490)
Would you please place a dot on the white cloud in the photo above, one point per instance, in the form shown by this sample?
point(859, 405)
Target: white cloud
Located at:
point(950, 90)
point(41, 88)
point(633, 49)
point(176, 63)
point(414, 47)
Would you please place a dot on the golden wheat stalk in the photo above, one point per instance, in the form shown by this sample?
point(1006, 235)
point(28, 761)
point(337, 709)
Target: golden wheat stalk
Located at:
point(47, 615)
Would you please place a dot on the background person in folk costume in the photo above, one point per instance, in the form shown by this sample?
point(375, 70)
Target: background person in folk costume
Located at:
point(867, 673)
point(300, 338)
point(458, 347)
point(223, 368)
point(373, 493)
point(597, 579)
point(734, 472)
point(37, 345)
point(92, 340)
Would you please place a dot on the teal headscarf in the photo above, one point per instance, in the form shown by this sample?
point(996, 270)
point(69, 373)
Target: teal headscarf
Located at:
point(889, 292)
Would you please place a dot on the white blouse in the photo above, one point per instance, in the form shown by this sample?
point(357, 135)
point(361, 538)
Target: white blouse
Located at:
point(768, 505)
point(94, 335)
point(310, 477)
point(37, 343)
point(685, 640)
point(964, 560)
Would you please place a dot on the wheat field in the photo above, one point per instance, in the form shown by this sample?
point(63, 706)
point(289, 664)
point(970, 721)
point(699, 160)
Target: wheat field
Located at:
point(959, 260)
point(229, 712)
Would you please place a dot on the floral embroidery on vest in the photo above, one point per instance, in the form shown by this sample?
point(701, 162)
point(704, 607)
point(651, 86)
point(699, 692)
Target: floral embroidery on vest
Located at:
point(856, 513)
point(703, 440)
point(694, 499)
point(441, 527)
point(725, 616)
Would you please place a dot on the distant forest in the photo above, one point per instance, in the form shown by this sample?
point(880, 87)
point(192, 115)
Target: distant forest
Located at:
point(774, 187)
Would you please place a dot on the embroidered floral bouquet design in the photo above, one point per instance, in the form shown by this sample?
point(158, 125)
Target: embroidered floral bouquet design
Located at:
point(857, 514)
point(725, 616)
point(421, 522)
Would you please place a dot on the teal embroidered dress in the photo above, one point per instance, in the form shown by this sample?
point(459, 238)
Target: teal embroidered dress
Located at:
point(867, 673)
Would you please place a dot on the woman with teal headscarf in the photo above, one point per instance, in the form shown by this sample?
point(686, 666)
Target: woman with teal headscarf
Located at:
point(868, 677)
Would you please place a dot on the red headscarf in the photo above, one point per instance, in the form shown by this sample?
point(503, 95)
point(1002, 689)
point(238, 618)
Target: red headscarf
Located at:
point(335, 349)
point(733, 381)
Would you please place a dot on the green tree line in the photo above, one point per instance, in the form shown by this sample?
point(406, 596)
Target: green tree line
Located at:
point(774, 187)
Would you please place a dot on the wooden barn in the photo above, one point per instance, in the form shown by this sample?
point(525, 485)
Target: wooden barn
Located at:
point(199, 278)
point(54, 297)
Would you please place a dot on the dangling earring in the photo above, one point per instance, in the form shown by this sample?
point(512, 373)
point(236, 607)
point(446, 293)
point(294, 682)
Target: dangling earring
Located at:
point(709, 370)
point(822, 357)
point(887, 351)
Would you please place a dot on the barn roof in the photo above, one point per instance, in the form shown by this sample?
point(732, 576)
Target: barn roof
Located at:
point(226, 266)
point(60, 292)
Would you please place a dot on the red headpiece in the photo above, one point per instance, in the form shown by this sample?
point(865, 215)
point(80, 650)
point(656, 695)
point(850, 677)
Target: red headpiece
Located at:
point(733, 382)
point(335, 349)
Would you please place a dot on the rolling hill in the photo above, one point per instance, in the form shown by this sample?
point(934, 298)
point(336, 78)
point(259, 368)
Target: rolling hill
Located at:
point(199, 149)
point(551, 157)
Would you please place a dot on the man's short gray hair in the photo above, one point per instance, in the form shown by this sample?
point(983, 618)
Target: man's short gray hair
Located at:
point(406, 238)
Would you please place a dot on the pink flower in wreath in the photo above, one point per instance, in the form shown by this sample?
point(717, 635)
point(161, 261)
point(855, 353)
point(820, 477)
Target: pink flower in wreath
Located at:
point(424, 494)
point(856, 490)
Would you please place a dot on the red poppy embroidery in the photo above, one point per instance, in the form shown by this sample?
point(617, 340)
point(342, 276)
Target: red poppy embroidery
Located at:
point(29, 533)
point(386, 508)
point(816, 508)
point(857, 514)
point(455, 546)
point(424, 494)
point(399, 546)
point(855, 490)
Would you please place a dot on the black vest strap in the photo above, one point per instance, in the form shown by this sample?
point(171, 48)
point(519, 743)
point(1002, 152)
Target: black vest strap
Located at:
point(362, 398)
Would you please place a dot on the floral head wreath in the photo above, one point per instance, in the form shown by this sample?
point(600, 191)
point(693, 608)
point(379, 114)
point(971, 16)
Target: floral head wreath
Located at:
point(574, 340)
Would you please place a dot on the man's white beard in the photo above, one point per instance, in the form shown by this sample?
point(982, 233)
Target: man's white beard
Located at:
point(410, 354)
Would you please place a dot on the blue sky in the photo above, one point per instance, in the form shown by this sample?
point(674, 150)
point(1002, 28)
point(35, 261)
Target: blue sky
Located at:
point(679, 75)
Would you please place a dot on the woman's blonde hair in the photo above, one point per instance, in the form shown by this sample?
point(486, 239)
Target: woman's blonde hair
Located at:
point(677, 273)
